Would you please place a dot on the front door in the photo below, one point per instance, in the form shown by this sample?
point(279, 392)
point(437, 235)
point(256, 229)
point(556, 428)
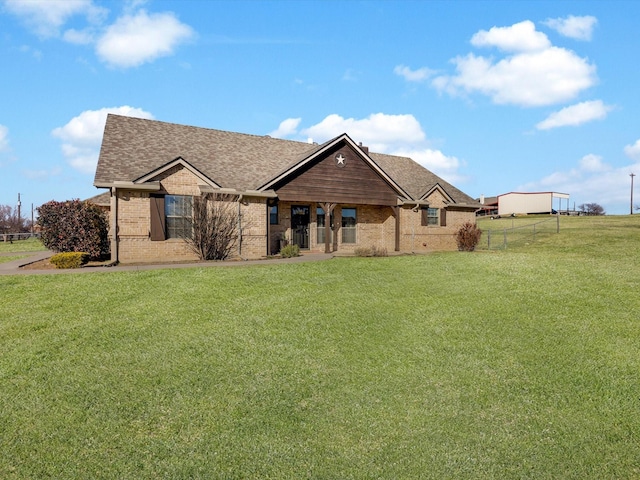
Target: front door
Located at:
point(300, 225)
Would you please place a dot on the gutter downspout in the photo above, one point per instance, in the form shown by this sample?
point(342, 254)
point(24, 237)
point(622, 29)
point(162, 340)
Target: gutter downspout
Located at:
point(239, 226)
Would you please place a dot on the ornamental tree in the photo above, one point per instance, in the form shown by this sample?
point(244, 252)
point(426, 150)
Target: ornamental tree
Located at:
point(74, 226)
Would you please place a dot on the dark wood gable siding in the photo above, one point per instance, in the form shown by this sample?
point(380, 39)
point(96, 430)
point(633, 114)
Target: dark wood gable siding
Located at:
point(324, 181)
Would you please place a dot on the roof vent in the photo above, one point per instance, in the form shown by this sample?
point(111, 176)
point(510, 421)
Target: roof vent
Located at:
point(310, 141)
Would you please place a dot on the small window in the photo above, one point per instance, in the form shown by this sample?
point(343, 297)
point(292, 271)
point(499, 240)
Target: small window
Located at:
point(179, 213)
point(432, 216)
point(349, 223)
point(273, 215)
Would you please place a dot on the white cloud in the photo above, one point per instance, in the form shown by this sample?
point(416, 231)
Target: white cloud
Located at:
point(141, 38)
point(78, 37)
point(82, 135)
point(135, 38)
point(35, 53)
point(443, 165)
point(45, 17)
point(633, 151)
point(591, 181)
point(593, 163)
point(409, 75)
point(579, 28)
point(4, 140)
point(400, 135)
point(286, 128)
point(42, 174)
point(520, 37)
point(350, 75)
point(536, 75)
point(379, 131)
point(576, 115)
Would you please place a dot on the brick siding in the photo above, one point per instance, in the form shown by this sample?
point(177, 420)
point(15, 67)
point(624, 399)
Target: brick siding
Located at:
point(375, 225)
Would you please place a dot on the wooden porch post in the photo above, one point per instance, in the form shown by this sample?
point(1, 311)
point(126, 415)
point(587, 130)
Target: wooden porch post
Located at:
point(328, 208)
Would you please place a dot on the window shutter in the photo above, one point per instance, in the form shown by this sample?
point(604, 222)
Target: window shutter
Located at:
point(443, 217)
point(424, 217)
point(158, 224)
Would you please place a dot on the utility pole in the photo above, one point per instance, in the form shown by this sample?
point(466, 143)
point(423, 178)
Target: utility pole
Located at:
point(632, 175)
point(19, 215)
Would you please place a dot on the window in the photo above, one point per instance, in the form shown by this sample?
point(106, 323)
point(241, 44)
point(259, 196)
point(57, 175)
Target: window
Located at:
point(349, 225)
point(273, 215)
point(433, 217)
point(178, 212)
point(321, 225)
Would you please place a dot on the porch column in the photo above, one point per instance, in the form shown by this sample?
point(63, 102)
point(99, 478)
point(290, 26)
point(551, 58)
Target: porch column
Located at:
point(268, 228)
point(328, 208)
point(113, 224)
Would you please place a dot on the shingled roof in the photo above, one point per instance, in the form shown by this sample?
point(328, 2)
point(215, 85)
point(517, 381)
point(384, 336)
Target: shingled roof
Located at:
point(133, 147)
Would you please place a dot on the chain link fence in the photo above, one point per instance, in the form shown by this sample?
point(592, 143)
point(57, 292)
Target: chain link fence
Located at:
point(512, 231)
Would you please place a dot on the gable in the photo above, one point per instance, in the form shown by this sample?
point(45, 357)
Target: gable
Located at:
point(338, 175)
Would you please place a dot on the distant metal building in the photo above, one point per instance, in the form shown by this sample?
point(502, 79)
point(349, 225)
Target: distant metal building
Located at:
point(514, 203)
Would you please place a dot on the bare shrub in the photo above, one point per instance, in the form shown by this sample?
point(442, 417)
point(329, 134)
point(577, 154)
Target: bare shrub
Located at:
point(467, 237)
point(214, 226)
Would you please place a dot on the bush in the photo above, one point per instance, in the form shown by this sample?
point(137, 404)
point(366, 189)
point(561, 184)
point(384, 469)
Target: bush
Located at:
point(290, 251)
point(214, 226)
point(74, 226)
point(371, 251)
point(69, 259)
point(467, 237)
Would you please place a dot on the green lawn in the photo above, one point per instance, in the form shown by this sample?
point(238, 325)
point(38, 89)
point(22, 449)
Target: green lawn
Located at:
point(28, 245)
point(10, 258)
point(518, 363)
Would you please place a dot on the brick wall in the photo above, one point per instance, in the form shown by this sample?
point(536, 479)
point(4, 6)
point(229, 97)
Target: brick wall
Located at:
point(253, 214)
point(375, 225)
point(134, 223)
point(417, 238)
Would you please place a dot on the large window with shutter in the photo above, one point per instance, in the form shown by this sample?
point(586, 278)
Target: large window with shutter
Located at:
point(178, 211)
point(433, 217)
point(171, 216)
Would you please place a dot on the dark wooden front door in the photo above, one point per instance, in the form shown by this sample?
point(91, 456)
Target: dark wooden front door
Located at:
point(300, 225)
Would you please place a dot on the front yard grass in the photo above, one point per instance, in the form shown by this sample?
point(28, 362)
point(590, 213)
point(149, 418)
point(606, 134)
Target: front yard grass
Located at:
point(29, 245)
point(520, 363)
point(11, 258)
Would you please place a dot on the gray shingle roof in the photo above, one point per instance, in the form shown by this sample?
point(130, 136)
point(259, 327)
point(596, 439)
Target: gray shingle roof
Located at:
point(416, 179)
point(133, 147)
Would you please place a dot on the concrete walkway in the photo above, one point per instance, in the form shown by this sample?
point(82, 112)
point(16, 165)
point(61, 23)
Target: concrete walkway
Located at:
point(13, 267)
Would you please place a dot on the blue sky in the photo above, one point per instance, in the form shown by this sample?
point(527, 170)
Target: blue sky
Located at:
point(492, 96)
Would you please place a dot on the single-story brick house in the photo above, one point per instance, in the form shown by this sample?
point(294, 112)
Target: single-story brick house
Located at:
point(281, 188)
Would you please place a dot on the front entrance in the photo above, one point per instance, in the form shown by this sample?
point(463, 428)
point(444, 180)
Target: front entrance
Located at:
point(300, 225)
